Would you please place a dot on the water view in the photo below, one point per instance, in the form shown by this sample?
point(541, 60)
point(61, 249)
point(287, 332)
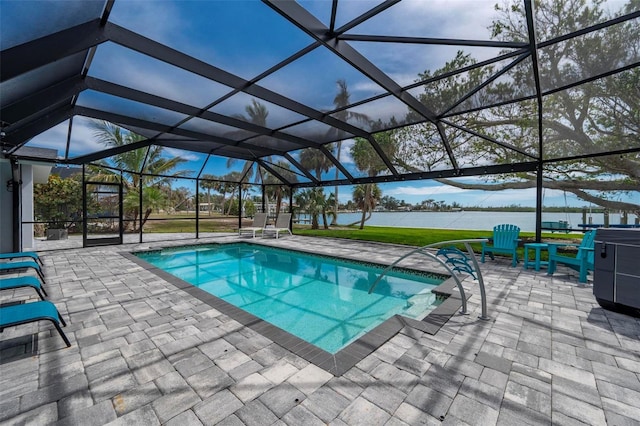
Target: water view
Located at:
point(472, 219)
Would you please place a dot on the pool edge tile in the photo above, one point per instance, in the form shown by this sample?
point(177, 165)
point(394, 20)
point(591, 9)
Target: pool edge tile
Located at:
point(338, 363)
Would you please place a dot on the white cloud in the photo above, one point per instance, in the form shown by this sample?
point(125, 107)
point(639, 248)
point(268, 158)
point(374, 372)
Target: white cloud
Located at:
point(367, 86)
point(158, 20)
point(82, 139)
point(186, 155)
point(508, 197)
point(123, 66)
point(463, 19)
point(345, 151)
point(454, 19)
point(54, 138)
point(425, 190)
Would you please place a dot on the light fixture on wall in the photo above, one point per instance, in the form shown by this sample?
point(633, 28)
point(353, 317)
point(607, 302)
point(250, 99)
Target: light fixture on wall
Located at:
point(11, 184)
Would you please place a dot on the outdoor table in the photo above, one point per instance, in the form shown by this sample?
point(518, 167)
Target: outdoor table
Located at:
point(537, 247)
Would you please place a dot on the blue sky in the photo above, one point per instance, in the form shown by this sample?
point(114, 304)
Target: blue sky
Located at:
point(210, 31)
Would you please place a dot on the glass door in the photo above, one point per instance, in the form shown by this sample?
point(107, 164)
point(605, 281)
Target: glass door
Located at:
point(103, 212)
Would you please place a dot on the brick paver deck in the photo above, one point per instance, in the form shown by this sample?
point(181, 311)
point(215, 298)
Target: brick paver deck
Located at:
point(146, 352)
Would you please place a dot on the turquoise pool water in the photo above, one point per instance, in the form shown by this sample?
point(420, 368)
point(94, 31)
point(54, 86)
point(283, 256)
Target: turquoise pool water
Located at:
point(322, 300)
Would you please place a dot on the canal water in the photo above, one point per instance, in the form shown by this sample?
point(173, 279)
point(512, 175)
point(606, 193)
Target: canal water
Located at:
point(482, 220)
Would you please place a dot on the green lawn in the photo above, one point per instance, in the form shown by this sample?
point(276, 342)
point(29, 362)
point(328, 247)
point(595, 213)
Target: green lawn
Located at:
point(408, 236)
point(421, 236)
point(183, 222)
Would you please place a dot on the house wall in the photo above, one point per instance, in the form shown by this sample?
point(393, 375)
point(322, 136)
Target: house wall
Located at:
point(26, 206)
point(6, 208)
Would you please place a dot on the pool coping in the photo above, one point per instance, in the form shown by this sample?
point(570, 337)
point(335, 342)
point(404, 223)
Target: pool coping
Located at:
point(340, 362)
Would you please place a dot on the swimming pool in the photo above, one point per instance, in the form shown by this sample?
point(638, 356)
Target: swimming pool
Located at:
point(322, 300)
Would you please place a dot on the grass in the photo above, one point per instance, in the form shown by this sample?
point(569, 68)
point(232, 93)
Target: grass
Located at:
point(421, 236)
point(407, 236)
point(182, 222)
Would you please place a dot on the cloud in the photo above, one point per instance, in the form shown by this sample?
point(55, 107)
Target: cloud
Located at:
point(510, 196)
point(123, 66)
point(458, 19)
point(425, 190)
point(345, 151)
point(82, 139)
point(53, 138)
point(461, 19)
point(186, 155)
point(524, 197)
point(161, 21)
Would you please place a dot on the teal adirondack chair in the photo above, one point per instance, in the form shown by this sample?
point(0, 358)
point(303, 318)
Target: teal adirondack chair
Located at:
point(582, 262)
point(505, 240)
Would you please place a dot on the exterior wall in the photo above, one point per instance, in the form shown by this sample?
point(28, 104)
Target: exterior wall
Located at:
point(26, 206)
point(6, 208)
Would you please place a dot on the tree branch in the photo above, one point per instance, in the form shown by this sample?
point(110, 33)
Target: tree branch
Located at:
point(575, 187)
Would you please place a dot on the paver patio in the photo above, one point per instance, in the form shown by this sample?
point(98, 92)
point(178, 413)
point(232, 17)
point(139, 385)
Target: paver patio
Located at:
point(146, 352)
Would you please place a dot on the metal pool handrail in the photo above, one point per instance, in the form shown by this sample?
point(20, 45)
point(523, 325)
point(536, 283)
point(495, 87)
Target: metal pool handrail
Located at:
point(476, 267)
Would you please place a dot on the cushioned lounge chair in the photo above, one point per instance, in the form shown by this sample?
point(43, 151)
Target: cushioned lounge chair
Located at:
point(20, 254)
point(13, 266)
point(25, 313)
point(19, 282)
point(505, 240)
point(259, 222)
point(282, 225)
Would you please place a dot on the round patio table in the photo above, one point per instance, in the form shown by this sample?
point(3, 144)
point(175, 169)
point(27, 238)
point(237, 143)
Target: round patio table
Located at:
point(537, 247)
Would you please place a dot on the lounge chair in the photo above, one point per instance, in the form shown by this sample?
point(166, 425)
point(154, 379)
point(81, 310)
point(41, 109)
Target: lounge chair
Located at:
point(16, 255)
point(259, 222)
point(282, 225)
point(19, 282)
point(12, 266)
point(25, 313)
point(583, 260)
point(505, 240)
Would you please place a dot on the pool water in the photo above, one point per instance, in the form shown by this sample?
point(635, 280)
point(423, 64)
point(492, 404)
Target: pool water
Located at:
point(322, 300)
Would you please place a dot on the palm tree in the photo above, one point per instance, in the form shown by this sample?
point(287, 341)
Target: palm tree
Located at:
point(135, 164)
point(314, 202)
point(257, 113)
point(368, 160)
point(182, 197)
point(329, 202)
point(366, 197)
point(315, 160)
point(274, 187)
point(341, 100)
point(209, 183)
point(231, 182)
point(152, 198)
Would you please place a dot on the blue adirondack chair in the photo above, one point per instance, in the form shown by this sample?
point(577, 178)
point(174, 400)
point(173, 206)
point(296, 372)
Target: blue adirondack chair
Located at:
point(505, 240)
point(583, 260)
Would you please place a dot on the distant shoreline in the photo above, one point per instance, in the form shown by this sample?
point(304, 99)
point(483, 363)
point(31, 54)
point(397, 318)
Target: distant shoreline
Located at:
point(494, 209)
point(478, 219)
